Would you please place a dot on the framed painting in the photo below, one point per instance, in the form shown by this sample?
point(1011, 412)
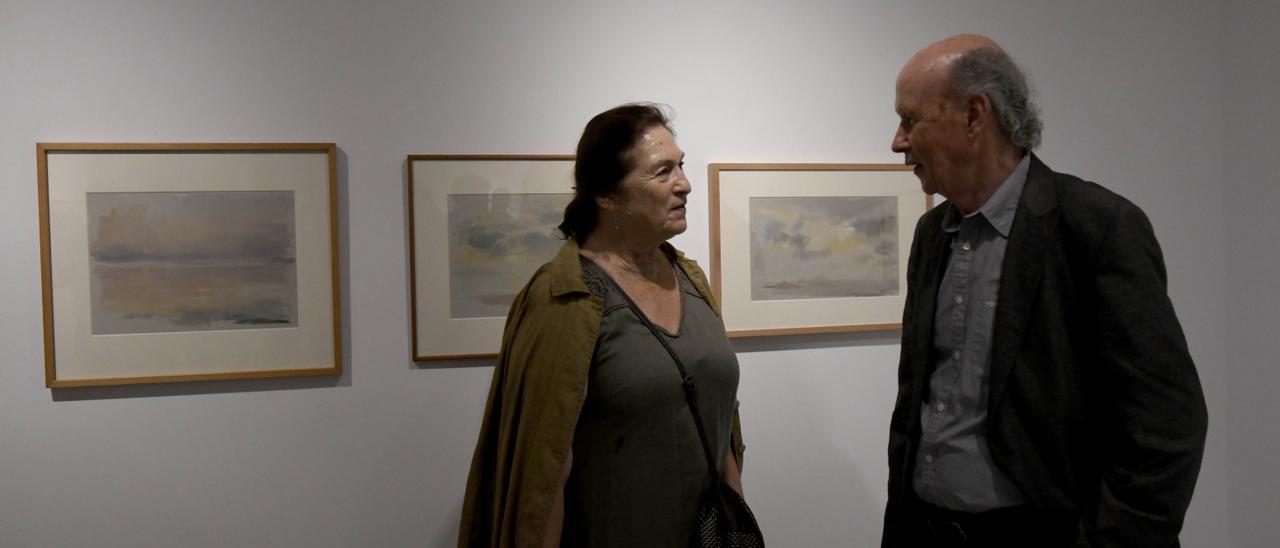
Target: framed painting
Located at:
point(479, 226)
point(812, 248)
point(188, 262)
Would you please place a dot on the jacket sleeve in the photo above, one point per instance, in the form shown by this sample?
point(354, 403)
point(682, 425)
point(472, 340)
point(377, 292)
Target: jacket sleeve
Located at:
point(487, 490)
point(537, 392)
point(1151, 400)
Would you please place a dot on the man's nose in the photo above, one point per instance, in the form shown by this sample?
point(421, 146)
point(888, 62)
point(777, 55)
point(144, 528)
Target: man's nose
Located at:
point(900, 143)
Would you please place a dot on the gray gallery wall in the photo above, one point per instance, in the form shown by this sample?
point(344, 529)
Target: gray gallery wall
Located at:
point(1251, 186)
point(1134, 96)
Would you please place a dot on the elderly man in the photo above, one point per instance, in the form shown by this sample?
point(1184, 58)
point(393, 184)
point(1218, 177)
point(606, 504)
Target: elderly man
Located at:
point(1046, 396)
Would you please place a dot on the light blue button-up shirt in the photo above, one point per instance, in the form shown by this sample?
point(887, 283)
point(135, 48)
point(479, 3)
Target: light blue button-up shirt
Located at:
point(953, 465)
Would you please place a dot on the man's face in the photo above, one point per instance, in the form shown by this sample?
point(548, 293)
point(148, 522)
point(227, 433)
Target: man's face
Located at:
point(932, 130)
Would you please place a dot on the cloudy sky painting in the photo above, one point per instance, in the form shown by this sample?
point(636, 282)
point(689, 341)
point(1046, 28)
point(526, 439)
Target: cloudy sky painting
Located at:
point(496, 241)
point(823, 247)
point(191, 261)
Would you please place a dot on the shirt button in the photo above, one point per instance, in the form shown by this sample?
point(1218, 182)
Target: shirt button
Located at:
point(991, 304)
point(955, 355)
point(964, 246)
point(928, 458)
point(959, 299)
point(942, 406)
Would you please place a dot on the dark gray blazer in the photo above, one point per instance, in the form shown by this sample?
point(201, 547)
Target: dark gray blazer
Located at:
point(1095, 409)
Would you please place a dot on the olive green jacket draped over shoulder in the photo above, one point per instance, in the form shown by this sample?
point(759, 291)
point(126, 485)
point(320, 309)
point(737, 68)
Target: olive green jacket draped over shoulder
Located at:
point(538, 389)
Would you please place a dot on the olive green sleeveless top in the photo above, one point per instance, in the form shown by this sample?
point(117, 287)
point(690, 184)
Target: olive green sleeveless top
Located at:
point(638, 471)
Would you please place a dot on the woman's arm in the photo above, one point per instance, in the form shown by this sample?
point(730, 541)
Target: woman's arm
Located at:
point(555, 521)
point(732, 476)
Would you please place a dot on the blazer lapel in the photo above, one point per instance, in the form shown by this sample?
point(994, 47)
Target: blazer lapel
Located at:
point(1024, 262)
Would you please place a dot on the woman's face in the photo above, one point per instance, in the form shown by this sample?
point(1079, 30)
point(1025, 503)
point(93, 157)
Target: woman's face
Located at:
point(651, 197)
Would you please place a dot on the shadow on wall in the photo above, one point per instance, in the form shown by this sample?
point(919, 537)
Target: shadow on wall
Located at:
point(190, 388)
point(814, 474)
point(448, 534)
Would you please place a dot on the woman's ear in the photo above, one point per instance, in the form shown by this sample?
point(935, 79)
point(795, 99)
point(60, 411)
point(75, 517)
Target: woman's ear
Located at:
point(605, 203)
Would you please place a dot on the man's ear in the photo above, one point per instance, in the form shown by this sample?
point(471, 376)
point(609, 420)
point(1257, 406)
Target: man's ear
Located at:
point(977, 113)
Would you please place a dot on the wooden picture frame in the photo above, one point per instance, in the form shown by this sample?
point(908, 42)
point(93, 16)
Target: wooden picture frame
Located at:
point(479, 226)
point(812, 248)
point(174, 262)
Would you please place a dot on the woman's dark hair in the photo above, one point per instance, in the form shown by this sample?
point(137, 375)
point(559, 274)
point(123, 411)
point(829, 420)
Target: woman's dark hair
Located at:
point(602, 161)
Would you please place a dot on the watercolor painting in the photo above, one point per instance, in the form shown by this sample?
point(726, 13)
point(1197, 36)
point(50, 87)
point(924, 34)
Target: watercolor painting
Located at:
point(496, 242)
point(823, 247)
point(191, 261)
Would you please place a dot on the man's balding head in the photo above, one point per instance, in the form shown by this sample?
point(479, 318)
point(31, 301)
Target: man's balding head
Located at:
point(965, 112)
point(939, 55)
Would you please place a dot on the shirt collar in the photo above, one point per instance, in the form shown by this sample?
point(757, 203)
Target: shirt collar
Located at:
point(1000, 207)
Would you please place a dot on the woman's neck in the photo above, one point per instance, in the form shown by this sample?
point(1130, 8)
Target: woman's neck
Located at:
point(642, 260)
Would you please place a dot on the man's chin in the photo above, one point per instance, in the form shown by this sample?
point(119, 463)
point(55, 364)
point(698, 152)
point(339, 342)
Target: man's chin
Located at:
point(928, 187)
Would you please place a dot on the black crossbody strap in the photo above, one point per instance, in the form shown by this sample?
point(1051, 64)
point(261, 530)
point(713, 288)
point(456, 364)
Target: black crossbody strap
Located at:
point(690, 391)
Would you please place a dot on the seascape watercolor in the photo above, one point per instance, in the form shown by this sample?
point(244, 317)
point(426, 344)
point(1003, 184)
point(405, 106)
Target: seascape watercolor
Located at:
point(191, 261)
point(823, 247)
point(496, 242)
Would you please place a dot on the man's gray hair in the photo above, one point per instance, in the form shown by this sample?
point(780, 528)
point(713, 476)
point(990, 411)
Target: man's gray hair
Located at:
point(993, 73)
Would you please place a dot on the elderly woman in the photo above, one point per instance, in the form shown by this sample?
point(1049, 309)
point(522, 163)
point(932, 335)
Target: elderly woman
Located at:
point(587, 437)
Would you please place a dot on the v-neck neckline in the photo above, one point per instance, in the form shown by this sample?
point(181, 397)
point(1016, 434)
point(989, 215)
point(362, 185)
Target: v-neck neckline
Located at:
point(680, 292)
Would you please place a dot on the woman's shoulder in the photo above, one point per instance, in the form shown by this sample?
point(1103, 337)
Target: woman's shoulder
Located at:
point(695, 273)
point(560, 287)
point(594, 277)
point(560, 276)
point(536, 293)
point(548, 329)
